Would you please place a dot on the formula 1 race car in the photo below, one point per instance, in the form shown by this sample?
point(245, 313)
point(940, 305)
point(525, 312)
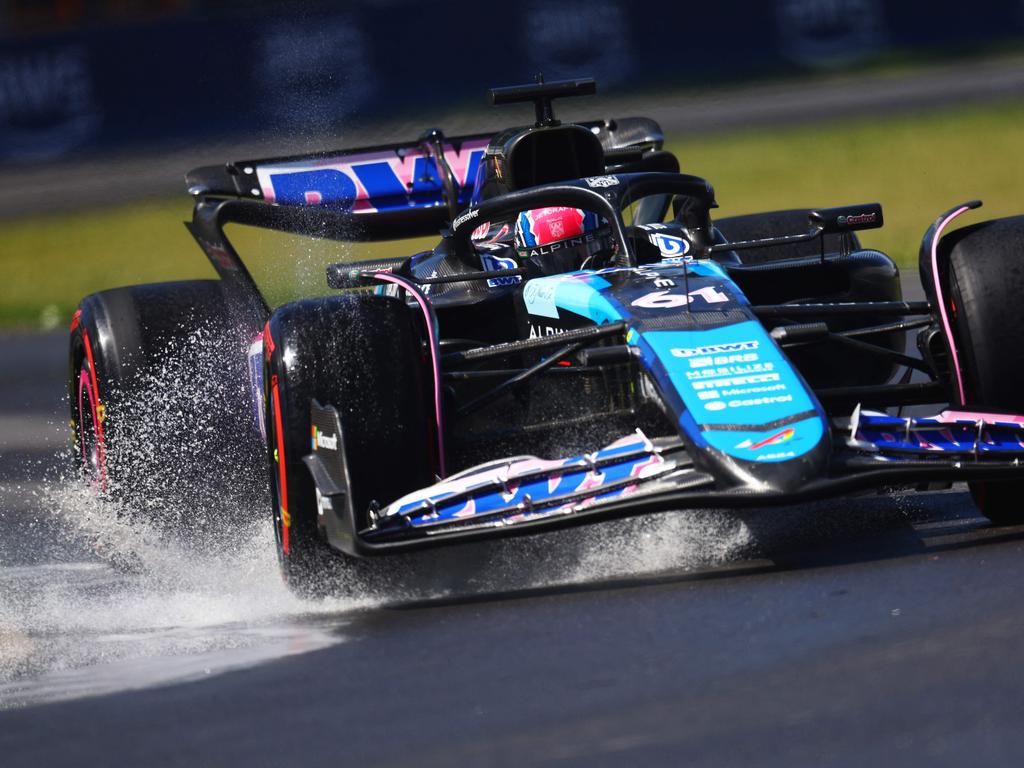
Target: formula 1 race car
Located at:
point(584, 342)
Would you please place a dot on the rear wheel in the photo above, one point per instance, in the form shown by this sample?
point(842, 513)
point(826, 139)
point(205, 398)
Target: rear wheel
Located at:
point(90, 448)
point(364, 355)
point(986, 282)
point(160, 403)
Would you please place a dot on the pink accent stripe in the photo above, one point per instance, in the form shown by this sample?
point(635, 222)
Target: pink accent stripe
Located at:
point(387, 277)
point(990, 418)
point(941, 302)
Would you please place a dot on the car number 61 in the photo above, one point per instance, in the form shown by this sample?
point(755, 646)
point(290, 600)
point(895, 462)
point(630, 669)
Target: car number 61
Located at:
point(666, 300)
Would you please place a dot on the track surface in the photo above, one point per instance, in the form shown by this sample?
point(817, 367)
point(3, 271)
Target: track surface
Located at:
point(883, 631)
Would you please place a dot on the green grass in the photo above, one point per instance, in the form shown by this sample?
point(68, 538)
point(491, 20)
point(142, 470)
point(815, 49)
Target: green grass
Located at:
point(49, 262)
point(916, 166)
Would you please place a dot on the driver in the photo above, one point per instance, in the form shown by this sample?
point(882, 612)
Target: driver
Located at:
point(550, 240)
point(560, 239)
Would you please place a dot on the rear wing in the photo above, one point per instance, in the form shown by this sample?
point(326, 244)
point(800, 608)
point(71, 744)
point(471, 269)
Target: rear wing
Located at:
point(371, 180)
point(387, 192)
point(395, 190)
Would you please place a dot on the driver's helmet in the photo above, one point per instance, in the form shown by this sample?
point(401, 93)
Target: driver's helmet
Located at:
point(560, 239)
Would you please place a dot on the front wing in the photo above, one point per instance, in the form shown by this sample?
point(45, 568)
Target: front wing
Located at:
point(637, 475)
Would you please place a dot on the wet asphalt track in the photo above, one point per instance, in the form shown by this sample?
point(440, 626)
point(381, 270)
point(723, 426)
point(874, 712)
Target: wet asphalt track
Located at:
point(880, 631)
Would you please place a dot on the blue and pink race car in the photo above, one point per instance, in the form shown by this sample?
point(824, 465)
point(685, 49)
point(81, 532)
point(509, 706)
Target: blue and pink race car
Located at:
point(583, 341)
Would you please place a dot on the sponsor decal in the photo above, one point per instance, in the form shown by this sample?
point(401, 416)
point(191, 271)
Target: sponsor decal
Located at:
point(327, 442)
point(775, 456)
point(778, 437)
point(857, 218)
point(740, 391)
point(713, 349)
point(597, 182)
point(736, 373)
point(539, 297)
point(728, 365)
point(670, 246)
point(486, 232)
point(571, 242)
point(369, 182)
point(738, 381)
point(472, 213)
point(734, 378)
point(771, 400)
point(534, 481)
point(721, 405)
point(218, 254)
point(538, 290)
point(492, 263)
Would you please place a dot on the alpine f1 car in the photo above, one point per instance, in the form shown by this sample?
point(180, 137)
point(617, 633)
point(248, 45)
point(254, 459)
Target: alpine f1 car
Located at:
point(584, 341)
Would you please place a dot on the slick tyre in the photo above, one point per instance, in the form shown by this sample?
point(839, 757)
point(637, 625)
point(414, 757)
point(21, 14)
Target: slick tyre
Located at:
point(363, 354)
point(986, 282)
point(755, 226)
point(159, 404)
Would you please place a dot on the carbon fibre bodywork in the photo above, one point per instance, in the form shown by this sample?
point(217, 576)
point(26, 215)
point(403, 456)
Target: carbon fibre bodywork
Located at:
point(664, 372)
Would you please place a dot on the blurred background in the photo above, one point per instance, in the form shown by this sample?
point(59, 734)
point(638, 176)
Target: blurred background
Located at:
point(105, 104)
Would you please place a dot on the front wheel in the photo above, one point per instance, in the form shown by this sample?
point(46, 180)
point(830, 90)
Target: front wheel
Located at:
point(986, 282)
point(364, 355)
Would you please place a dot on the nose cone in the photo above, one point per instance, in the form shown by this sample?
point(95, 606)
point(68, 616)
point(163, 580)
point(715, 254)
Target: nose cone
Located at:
point(778, 460)
point(748, 414)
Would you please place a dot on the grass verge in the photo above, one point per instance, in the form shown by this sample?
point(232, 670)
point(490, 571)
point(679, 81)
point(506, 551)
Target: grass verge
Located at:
point(915, 165)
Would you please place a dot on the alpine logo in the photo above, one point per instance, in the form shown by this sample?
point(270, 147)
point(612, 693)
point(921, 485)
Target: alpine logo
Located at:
point(540, 331)
point(778, 437)
point(715, 349)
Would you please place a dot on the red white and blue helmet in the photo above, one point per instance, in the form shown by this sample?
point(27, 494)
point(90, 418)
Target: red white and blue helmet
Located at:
point(559, 239)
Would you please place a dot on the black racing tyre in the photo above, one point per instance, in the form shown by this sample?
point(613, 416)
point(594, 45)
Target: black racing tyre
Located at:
point(755, 226)
point(160, 405)
point(986, 282)
point(363, 354)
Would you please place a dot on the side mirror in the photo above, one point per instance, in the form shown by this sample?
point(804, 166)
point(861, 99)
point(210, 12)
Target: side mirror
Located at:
point(846, 218)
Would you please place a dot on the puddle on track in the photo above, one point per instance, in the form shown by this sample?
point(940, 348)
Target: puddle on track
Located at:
point(122, 605)
point(95, 597)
